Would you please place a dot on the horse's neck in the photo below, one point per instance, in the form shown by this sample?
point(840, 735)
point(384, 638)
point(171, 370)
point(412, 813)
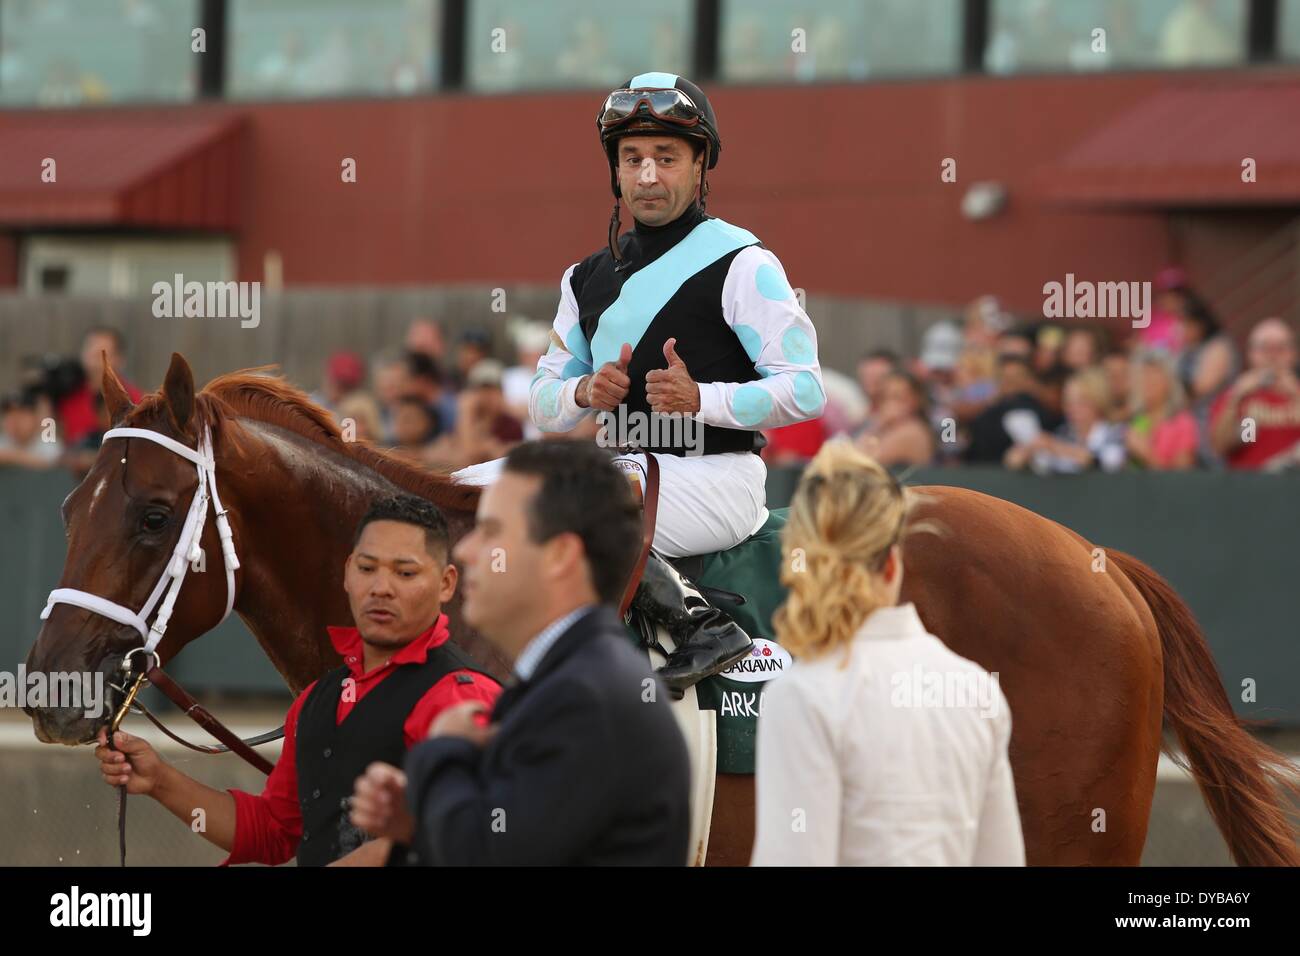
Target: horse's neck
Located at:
point(296, 505)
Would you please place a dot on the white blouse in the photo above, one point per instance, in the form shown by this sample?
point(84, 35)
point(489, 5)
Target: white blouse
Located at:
point(896, 757)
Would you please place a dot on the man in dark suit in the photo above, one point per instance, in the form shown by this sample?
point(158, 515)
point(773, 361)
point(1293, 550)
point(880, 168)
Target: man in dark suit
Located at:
point(582, 762)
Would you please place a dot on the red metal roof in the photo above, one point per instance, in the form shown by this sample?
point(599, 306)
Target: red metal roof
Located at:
point(165, 171)
point(1186, 147)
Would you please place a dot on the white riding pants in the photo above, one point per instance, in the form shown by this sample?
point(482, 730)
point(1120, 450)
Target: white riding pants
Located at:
point(706, 502)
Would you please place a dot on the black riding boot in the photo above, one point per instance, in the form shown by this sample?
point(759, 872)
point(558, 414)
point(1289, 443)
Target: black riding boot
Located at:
point(708, 640)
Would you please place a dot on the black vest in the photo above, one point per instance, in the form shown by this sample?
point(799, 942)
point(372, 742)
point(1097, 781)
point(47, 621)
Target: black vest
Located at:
point(330, 756)
point(692, 315)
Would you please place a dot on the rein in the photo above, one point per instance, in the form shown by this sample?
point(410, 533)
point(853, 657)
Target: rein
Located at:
point(187, 551)
point(649, 514)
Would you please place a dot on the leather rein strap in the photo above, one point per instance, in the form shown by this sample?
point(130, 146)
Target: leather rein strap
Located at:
point(197, 713)
point(650, 512)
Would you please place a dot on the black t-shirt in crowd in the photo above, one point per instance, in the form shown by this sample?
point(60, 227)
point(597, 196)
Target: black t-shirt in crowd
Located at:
point(989, 441)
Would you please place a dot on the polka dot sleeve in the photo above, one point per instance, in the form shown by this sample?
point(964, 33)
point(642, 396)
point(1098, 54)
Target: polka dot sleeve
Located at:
point(551, 402)
point(776, 333)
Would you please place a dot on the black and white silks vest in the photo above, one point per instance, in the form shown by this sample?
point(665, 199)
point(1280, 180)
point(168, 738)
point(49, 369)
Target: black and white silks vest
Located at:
point(712, 286)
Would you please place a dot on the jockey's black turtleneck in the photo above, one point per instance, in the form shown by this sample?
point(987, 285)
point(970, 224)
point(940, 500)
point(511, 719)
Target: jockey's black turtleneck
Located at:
point(645, 242)
point(691, 217)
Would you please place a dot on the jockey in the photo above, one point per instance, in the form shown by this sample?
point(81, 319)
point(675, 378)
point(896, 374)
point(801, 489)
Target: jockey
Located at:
point(685, 339)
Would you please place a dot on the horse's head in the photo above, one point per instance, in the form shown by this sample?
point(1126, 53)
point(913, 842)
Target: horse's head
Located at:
point(123, 523)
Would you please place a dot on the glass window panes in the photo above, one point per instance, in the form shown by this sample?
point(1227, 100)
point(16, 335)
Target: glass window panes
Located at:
point(1049, 35)
point(526, 44)
point(120, 265)
point(72, 52)
point(792, 40)
point(1288, 30)
point(311, 48)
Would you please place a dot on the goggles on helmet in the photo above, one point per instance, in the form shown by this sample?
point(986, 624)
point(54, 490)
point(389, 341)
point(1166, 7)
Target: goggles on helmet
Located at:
point(670, 106)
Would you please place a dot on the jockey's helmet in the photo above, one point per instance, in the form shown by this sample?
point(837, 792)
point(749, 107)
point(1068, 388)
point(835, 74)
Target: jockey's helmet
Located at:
point(657, 103)
point(649, 103)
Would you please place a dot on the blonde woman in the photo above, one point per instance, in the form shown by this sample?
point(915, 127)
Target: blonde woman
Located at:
point(1087, 439)
point(880, 746)
point(1162, 434)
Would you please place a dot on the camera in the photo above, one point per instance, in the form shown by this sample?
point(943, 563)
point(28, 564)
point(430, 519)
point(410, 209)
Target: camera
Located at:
point(53, 375)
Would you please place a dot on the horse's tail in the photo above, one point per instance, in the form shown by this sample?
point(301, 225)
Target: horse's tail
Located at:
point(1244, 783)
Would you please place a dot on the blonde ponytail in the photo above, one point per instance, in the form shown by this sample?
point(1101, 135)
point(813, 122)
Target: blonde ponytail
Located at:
point(847, 512)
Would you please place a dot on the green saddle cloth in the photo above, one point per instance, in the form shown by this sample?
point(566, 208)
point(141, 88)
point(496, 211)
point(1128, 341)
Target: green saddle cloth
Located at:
point(751, 568)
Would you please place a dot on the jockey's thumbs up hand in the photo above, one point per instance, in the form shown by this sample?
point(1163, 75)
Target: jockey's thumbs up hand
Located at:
point(670, 353)
point(672, 389)
point(606, 388)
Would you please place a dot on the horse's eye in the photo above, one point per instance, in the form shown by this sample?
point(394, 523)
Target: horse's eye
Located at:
point(154, 520)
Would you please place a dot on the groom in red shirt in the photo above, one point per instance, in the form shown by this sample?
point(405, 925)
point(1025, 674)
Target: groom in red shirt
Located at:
point(399, 672)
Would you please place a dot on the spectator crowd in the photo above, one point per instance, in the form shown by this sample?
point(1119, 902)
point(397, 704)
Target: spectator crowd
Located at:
point(1059, 399)
point(1037, 396)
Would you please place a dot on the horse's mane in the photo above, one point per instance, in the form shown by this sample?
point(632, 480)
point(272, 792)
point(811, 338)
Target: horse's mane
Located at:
point(266, 398)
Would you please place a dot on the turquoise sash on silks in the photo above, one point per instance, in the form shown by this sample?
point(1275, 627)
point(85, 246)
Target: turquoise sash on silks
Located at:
point(646, 292)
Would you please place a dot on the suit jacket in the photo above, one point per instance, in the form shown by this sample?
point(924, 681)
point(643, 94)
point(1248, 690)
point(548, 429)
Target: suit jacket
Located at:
point(588, 766)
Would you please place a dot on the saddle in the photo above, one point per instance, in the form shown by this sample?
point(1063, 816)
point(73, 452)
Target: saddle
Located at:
point(743, 580)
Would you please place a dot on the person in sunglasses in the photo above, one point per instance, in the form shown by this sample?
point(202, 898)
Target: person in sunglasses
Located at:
point(685, 339)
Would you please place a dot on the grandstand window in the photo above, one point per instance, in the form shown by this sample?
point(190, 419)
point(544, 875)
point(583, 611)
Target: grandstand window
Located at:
point(1029, 35)
point(522, 44)
point(1288, 31)
point(793, 41)
point(68, 53)
point(315, 48)
point(115, 265)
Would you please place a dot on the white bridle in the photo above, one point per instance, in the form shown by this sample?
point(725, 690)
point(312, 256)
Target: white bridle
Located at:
point(187, 548)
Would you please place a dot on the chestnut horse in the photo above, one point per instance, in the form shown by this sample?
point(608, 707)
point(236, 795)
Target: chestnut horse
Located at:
point(1091, 661)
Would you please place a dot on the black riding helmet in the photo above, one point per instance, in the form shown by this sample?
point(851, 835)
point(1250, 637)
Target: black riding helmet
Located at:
point(649, 103)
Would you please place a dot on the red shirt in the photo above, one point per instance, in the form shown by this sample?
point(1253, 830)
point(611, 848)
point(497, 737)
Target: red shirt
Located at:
point(79, 415)
point(800, 440)
point(269, 826)
point(1277, 425)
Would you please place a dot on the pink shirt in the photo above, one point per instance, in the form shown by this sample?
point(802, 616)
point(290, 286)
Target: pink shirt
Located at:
point(1164, 333)
point(1171, 438)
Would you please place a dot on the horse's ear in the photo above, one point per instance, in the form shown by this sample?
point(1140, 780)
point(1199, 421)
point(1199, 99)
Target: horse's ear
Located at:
point(178, 390)
point(116, 400)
